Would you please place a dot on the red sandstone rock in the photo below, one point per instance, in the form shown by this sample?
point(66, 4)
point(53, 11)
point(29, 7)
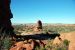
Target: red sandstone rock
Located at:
point(21, 45)
point(17, 46)
point(30, 45)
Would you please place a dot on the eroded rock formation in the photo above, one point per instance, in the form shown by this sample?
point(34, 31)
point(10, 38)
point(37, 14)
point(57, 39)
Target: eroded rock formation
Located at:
point(5, 16)
point(6, 28)
point(38, 26)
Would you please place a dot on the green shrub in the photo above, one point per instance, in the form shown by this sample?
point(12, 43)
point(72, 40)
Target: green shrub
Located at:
point(66, 42)
point(6, 43)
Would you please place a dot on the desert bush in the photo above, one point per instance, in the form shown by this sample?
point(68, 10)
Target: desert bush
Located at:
point(63, 46)
point(50, 46)
point(6, 43)
point(66, 42)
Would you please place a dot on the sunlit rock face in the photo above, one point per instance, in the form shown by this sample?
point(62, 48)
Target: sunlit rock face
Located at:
point(27, 45)
point(5, 16)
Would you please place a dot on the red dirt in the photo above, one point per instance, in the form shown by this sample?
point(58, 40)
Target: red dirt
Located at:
point(70, 37)
point(20, 46)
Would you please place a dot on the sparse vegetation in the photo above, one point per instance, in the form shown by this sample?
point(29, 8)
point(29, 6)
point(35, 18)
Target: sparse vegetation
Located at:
point(50, 46)
point(59, 29)
point(47, 28)
point(6, 43)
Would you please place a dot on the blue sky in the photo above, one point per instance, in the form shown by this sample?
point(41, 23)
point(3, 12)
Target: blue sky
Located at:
point(48, 11)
